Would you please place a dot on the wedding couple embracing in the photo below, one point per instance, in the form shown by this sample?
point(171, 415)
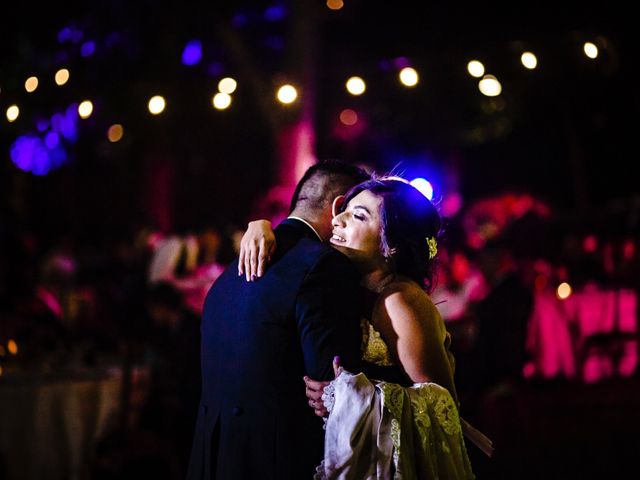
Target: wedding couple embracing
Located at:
point(348, 276)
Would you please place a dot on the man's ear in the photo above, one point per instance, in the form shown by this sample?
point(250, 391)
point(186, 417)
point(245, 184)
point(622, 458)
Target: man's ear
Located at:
point(337, 205)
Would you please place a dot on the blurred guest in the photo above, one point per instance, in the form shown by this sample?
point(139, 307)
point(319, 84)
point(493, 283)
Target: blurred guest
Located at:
point(502, 318)
point(173, 354)
point(195, 283)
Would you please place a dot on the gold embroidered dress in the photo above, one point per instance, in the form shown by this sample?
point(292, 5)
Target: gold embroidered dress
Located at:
point(381, 430)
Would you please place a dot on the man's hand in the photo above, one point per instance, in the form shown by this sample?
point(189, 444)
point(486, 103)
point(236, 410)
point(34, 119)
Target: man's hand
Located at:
point(256, 247)
point(315, 389)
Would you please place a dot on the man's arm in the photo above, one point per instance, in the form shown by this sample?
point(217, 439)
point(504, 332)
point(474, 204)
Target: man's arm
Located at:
point(328, 316)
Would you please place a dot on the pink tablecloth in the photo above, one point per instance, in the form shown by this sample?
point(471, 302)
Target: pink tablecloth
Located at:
point(591, 335)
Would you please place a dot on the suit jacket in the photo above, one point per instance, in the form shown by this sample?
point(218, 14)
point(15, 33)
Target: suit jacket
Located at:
point(258, 341)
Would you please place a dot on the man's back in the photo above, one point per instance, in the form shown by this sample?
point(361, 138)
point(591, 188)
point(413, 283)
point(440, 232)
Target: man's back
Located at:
point(258, 340)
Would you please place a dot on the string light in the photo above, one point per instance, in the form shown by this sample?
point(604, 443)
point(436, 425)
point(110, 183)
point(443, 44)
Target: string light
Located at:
point(529, 60)
point(287, 94)
point(563, 291)
point(490, 86)
point(12, 347)
point(85, 109)
point(590, 50)
point(227, 85)
point(475, 68)
point(31, 84)
point(12, 113)
point(115, 133)
point(408, 77)
point(335, 4)
point(356, 86)
point(156, 104)
point(62, 76)
point(221, 100)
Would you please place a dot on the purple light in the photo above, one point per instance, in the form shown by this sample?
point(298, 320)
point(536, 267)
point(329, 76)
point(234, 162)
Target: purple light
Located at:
point(29, 154)
point(275, 13)
point(64, 35)
point(52, 140)
point(88, 48)
point(401, 62)
point(192, 53)
point(66, 123)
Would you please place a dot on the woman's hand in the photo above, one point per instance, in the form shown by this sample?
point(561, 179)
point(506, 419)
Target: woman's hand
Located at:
point(256, 247)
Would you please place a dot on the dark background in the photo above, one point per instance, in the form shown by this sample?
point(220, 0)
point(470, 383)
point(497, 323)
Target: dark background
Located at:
point(564, 132)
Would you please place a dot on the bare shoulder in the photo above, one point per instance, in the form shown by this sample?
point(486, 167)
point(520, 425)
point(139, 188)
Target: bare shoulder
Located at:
point(404, 295)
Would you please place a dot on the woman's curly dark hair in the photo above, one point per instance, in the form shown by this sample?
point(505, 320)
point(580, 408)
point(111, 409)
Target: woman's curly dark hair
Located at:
point(408, 220)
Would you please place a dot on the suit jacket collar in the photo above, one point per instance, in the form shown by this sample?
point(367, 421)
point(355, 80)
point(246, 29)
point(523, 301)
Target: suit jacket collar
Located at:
point(300, 227)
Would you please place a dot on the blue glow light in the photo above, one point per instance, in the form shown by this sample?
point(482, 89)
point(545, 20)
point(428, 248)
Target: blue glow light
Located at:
point(275, 13)
point(66, 123)
point(88, 48)
point(52, 140)
point(64, 35)
point(30, 154)
point(423, 186)
point(192, 53)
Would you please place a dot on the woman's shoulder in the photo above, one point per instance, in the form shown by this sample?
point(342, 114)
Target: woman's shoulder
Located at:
point(405, 289)
point(404, 293)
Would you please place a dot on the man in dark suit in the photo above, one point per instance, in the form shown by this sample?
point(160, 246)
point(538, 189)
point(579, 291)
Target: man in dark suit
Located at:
point(259, 339)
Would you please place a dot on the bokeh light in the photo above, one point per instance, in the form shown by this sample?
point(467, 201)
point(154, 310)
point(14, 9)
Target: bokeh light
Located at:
point(156, 104)
point(356, 86)
point(590, 50)
point(490, 86)
point(62, 76)
point(475, 68)
point(115, 133)
point(88, 48)
point(287, 94)
point(31, 84)
point(408, 77)
point(335, 4)
point(221, 100)
point(12, 113)
point(529, 60)
point(348, 117)
point(85, 109)
point(12, 347)
point(192, 53)
point(564, 291)
point(227, 85)
point(423, 186)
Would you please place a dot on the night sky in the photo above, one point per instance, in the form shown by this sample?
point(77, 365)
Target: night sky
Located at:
point(564, 131)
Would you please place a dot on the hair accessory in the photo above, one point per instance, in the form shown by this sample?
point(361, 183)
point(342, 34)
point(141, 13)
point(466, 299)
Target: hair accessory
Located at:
point(433, 247)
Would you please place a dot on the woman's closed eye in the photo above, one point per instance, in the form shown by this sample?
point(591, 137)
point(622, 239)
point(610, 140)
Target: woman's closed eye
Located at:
point(359, 217)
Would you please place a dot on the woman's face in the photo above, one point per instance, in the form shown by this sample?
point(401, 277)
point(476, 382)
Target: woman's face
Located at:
point(356, 231)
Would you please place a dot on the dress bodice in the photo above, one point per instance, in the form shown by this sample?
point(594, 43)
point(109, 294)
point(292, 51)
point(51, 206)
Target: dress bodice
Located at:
point(374, 349)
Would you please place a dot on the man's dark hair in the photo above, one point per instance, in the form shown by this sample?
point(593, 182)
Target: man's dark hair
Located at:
point(314, 192)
